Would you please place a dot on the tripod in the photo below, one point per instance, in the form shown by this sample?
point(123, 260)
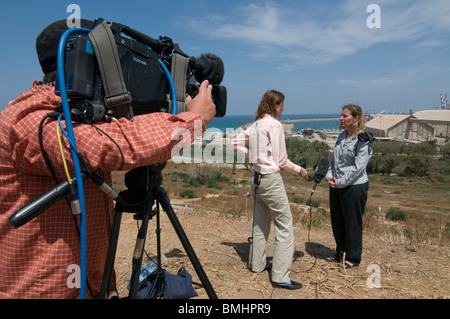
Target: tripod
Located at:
point(143, 190)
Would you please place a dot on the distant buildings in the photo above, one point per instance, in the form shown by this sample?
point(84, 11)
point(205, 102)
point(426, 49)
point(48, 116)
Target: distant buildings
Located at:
point(421, 126)
point(438, 119)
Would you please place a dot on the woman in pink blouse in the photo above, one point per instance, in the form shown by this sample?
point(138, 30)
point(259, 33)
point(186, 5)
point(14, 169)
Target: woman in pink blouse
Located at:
point(268, 156)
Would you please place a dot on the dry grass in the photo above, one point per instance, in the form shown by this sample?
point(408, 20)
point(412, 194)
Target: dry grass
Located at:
point(412, 255)
point(426, 203)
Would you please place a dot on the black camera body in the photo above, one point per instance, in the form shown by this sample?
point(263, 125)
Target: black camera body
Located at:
point(147, 83)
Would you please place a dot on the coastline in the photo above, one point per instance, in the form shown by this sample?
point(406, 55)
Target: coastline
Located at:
point(311, 121)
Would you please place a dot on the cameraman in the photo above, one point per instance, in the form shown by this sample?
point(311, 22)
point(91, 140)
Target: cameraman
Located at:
point(38, 257)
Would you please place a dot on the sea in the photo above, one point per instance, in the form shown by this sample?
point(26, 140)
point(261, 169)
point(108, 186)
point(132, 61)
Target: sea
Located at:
point(236, 121)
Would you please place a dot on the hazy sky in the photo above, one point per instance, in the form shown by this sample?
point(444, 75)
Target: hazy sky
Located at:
point(388, 55)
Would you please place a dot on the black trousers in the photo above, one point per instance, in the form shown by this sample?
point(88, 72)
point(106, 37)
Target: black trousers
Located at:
point(347, 207)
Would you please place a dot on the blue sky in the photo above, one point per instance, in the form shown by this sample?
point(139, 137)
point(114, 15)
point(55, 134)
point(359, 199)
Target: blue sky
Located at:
point(320, 54)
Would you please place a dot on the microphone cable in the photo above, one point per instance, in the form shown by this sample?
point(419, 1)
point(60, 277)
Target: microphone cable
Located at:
point(316, 284)
point(79, 178)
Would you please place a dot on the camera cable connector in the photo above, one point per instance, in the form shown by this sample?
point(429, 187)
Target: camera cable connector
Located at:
point(111, 192)
point(74, 200)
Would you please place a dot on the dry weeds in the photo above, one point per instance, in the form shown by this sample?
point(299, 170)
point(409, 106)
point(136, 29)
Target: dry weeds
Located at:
point(410, 258)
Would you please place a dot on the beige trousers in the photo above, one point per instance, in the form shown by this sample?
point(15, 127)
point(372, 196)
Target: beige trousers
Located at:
point(271, 201)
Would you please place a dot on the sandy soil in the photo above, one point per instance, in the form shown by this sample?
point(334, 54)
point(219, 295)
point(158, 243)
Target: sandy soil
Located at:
point(218, 223)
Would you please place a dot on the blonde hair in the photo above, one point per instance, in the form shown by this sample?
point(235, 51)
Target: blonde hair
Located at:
point(270, 100)
point(356, 110)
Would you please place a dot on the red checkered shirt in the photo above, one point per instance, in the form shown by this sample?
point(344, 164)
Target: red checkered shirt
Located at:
point(37, 259)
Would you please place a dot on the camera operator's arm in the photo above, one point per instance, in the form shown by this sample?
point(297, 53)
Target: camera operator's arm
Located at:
point(143, 140)
point(202, 104)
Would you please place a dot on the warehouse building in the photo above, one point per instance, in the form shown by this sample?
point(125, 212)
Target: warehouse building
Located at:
point(438, 119)
point(400, 127)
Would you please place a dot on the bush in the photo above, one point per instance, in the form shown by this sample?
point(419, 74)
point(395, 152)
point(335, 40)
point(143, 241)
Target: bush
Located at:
point(384, 164)
point(187, 193)
point(306, 153)
point(298, 200)
point(202, 175)
point(387, 147)
point(322, 212)
point(312, 203)
point(394, 213)
point(418, 164)
point(424, 148)
point(446, 150)
point(388, 163)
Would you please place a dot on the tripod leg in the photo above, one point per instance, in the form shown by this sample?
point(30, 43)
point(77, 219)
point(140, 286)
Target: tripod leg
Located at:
point(109, 265)
point(158, 238)
point(137, 256)
point(164, 201)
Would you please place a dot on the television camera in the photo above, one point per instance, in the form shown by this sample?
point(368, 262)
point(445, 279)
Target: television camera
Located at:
point(155, 75)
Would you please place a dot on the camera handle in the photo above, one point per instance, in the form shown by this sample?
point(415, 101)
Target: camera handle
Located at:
point(155, 45)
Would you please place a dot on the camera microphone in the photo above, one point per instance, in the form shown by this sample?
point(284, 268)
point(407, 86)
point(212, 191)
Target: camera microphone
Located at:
point(33, 209)
point(321, 171)
point(40, 204)
point(208, 67)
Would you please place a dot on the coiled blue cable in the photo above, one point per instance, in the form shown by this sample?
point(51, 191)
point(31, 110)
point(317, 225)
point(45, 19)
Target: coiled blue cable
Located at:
point(172, 87)
point(73, 150)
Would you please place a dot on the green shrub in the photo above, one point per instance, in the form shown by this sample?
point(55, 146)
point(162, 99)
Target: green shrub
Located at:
point(312, 203)
point(424, 148)
point(187, 193)
point(322, 212)
point(418, 164)
point(394, 213)
point(446, 150)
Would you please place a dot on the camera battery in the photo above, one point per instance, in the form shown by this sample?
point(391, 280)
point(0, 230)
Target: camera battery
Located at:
point(79, 68)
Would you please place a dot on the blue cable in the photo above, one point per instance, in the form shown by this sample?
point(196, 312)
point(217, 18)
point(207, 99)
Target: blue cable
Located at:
point(74, 152)
point(172, 87)
point(76, 163)
point(67, 136)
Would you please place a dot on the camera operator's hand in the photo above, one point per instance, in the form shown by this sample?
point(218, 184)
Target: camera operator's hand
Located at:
point(202, 104)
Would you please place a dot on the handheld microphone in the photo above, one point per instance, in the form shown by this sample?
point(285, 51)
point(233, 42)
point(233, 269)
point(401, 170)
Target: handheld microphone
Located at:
point(321, 171)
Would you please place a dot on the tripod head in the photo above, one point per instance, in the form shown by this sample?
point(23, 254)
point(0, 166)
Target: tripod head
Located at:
point(144, 179)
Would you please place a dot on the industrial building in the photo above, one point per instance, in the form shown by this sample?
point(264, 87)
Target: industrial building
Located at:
point(421, 126)
point(438, 119)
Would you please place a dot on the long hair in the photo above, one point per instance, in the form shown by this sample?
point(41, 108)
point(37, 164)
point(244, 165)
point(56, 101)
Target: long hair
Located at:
point(270, 100)
point(356, 110)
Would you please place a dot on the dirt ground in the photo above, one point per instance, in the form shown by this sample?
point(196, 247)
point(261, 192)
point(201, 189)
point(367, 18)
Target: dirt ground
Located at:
point(218, 223)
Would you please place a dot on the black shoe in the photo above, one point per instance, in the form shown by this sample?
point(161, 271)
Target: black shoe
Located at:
point(332, 259)
point(292, 286)
point(268, 267)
